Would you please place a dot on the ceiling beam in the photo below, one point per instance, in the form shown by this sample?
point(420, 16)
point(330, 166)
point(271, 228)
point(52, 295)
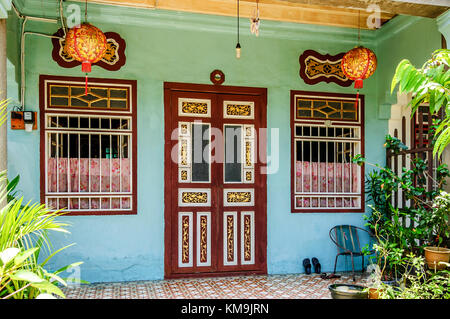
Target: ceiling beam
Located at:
point(277, 10)
point(421, 8)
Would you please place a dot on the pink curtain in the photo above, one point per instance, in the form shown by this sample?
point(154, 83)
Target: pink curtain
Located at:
point(104, 176)
point(326, 178)
point(114, 173)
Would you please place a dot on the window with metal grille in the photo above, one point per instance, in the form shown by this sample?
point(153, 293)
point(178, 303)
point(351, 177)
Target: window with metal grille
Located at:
point(327, 131)
point(88, 145)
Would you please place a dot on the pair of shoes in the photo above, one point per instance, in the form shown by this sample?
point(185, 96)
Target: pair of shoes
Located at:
point(307, 265)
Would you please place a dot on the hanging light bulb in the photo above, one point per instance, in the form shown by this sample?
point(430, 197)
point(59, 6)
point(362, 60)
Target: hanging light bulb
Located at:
point(238, 51)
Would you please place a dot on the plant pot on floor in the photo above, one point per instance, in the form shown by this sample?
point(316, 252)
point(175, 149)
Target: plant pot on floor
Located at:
point(373, 293)
point(433, 255)
point(347, 291)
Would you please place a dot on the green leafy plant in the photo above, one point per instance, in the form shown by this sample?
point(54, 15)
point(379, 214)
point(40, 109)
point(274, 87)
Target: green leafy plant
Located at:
point(11, 186)
point(381, 184)
point(435, 223)
point(417, 282)
point(24, 234)
point(429, 84)
point(426, 212)
point(394, 144)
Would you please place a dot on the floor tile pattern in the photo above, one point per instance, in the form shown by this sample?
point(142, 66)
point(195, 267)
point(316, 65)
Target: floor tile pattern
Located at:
point(296, 286)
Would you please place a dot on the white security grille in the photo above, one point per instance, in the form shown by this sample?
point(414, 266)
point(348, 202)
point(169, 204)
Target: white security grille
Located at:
point(88, 162)
point(325, 176)
point(327, 133)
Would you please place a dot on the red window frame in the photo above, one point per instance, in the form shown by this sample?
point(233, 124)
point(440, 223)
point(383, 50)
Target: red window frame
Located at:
point(44, 84)
point(312, 121)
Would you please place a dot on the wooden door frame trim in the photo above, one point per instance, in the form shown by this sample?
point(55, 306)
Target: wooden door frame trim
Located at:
point(170, 87)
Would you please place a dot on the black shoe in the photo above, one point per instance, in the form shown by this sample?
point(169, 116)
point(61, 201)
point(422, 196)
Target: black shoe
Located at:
point(307, 265)
point(316, 264)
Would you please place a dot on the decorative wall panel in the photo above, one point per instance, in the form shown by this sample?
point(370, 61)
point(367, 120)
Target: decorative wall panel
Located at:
point(247, 238)
point(229, 238)
point(185, 238)
point(194, 107)
point(238, 110)
point(238, 197)
point(113, 60)
point(99, 97)
point(204, 239)
point(316, 67)
point(194, 197)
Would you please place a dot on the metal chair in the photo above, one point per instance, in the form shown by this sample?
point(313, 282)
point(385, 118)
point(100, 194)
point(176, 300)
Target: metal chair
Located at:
point(347, 240)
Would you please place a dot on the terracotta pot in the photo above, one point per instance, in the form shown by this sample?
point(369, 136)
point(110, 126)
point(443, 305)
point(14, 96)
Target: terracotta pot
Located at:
point(373, 293)
point(433, 255)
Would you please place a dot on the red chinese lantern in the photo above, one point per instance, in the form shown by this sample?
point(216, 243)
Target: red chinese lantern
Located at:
point(358, 64)
point(86, 44)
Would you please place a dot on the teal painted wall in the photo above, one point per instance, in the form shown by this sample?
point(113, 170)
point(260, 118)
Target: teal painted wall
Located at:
point(417, 39)
point(170, 46)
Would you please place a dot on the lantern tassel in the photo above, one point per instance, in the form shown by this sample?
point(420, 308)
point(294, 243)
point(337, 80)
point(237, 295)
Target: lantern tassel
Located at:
point(86, 86)
point(358, 84)
point(356, 101)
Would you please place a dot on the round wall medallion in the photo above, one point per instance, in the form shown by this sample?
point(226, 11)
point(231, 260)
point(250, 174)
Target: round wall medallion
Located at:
point(217, 77)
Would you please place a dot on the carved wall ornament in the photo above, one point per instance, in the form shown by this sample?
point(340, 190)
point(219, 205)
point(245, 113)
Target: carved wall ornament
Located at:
point(185, 239)
point(217, 77)
point(113, 59)
point(316, 67)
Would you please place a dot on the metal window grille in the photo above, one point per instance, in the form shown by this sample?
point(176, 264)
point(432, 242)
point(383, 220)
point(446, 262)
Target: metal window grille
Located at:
point(88, 157)
point(325, 177)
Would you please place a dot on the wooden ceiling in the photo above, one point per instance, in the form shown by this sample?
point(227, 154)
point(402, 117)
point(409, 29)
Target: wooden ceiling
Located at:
point(341, 13)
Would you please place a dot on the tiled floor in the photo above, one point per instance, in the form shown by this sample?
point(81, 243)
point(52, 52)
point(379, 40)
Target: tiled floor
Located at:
point(299, 286)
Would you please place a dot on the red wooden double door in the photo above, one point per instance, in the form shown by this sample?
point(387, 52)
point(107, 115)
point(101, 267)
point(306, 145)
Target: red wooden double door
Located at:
point(215, 192)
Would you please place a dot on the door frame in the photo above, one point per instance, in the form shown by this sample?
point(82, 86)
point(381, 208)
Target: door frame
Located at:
point(169, 179)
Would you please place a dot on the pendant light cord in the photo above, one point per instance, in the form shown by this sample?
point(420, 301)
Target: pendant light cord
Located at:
point(85, 12)
point(359, 27)
point(238, 21)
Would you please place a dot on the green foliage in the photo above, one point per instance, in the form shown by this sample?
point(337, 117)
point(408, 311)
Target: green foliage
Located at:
point(435, 224)
point(11, 188)
point(394, 144)
point(428, 212)
point(428, 217)
point(417, 283)
point(23, 236)
point(429, 84)
point(24, 229)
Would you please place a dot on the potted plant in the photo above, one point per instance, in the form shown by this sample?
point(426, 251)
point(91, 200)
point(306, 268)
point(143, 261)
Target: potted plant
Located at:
point(388, 255)
point(438, 228)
